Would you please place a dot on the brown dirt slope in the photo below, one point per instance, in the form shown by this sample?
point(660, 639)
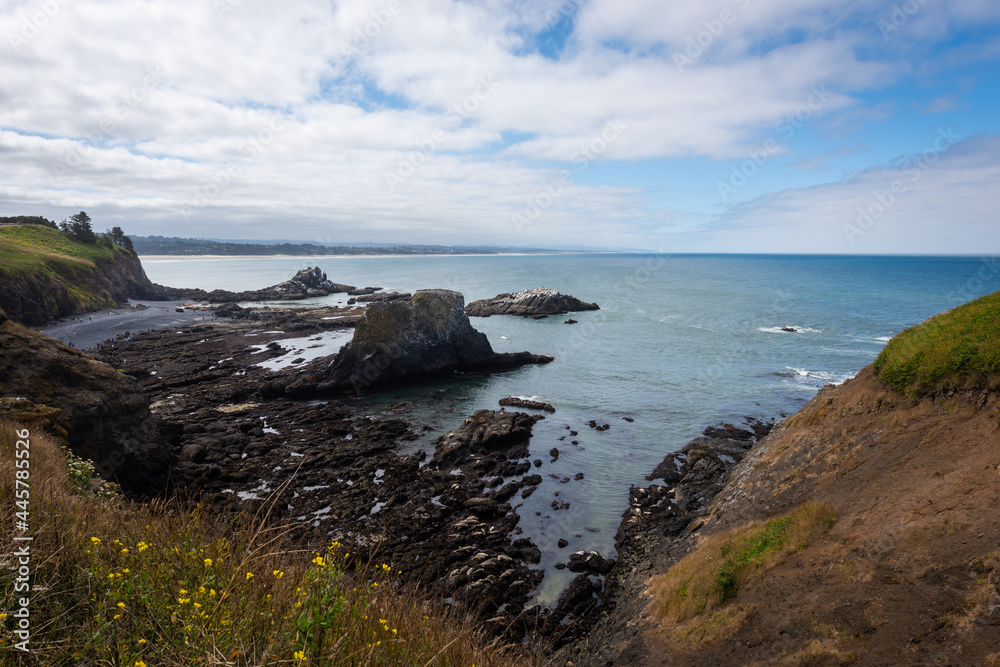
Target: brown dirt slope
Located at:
point(908, 575)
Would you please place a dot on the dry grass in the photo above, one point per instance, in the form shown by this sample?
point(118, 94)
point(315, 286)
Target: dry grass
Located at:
point(124, 584)
point(713, 574)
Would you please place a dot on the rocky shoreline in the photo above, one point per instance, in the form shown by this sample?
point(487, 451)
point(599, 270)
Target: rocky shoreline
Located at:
point(330, 467)
point(259, 419)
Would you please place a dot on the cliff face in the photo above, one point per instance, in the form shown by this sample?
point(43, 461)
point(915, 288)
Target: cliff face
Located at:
point(909, 573)
point(102, 414)
point(44, 275)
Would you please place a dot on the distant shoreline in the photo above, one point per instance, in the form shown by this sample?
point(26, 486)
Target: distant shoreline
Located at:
point(491, 254)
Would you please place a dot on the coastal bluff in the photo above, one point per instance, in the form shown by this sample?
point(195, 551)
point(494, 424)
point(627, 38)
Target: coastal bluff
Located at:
point(45, 274)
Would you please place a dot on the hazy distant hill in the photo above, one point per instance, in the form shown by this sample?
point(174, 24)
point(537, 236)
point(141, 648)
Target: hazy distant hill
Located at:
point(160, 245)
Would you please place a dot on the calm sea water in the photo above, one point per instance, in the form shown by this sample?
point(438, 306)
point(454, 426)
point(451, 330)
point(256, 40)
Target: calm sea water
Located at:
point(680, 342)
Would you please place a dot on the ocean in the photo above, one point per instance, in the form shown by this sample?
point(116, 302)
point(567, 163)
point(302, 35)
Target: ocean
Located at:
point(680, 343)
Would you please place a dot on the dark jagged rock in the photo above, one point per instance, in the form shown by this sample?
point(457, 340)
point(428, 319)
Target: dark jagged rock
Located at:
point(103, 414)
point(579, 598)
point(363, 291)
point(388, 296)
point(484, 432)
point(538, 302)
point(590, 562)
point(427, 336)
point(729, 432)
point(515, 402)
point(570, 321)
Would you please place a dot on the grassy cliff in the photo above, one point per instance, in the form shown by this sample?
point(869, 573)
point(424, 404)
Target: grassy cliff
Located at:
point(958, 349)
point(45, 274)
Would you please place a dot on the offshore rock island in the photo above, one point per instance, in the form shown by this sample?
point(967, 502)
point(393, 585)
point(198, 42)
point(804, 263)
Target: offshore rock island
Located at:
point(537, 303)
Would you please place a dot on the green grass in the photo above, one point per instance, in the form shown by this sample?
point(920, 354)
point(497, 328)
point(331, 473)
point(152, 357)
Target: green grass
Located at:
point(32, 243)
point(123, 584)
point(713, 574)
point(957, 349)
point(36, 261)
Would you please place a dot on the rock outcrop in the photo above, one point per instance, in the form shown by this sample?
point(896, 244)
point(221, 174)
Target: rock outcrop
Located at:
point(305, 284)
point(518, 402)
point(103, 414)
point(427, 336)
point(539, 302)
point(483, 433)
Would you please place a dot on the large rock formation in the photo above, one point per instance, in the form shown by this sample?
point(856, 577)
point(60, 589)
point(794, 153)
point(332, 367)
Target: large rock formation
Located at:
point(539, 302)
point(306, 283)
point(424, 337)
point(103, 414)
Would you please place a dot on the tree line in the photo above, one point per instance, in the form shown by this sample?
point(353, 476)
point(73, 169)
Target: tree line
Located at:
point(79, 227)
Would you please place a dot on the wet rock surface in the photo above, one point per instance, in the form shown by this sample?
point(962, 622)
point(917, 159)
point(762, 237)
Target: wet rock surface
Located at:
point(538, 303)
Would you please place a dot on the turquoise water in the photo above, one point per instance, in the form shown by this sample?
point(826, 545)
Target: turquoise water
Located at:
point(680, 342)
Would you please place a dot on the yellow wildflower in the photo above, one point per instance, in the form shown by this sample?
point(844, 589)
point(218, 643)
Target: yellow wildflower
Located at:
point(142, 546)
point(249, 576)
point(124, 552)
point(121, 605)
point(300, 655)
point(139, 663)
point(142, 642)
point(278, 574)
point(208, 562)
point(95, 541)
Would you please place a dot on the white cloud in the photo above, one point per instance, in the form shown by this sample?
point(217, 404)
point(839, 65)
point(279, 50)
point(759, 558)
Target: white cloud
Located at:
point(934, 201)
point(227, 117)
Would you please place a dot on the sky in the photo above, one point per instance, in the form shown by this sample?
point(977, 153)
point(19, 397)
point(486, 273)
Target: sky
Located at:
point(759, 126)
